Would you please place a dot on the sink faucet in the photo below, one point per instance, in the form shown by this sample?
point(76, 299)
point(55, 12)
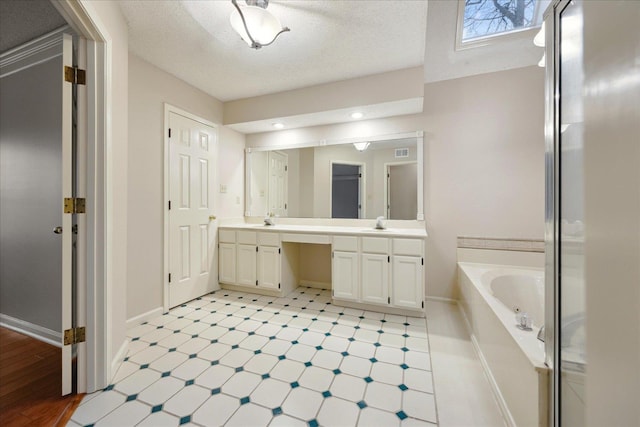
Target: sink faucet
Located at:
point(541, 334)
point(380, 225)
point(269, 219)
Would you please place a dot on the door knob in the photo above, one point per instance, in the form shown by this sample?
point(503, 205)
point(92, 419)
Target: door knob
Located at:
point(57, 230)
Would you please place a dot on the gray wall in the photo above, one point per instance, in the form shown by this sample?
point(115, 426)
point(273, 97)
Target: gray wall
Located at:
point(30, 194)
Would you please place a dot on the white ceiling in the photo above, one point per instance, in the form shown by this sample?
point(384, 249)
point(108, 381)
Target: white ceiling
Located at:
point(329, 41)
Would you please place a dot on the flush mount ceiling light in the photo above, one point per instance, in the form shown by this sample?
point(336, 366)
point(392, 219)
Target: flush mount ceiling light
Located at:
point(357, 115)
point(278, 125)
point(255, 24)
point(361, 146)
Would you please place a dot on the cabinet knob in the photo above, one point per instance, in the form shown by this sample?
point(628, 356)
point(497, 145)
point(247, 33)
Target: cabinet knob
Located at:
point(212, 217)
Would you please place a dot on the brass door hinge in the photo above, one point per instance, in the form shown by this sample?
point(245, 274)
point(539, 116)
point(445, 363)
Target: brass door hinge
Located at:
point(74, 205)
point(75, 75)
point(74, 335)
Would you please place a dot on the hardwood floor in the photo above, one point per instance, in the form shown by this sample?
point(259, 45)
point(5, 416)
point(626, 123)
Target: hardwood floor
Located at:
point(30, 383)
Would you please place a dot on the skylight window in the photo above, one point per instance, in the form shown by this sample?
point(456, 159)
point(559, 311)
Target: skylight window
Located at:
point(485, 18)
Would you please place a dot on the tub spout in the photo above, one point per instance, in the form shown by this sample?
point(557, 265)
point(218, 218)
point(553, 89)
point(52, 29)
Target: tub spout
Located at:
point(541, 334)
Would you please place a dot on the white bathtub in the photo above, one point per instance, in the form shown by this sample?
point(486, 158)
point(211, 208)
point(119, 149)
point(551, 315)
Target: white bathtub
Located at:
point(513, 359)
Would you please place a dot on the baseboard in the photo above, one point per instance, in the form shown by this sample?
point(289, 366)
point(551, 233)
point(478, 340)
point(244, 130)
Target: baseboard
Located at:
point(34, 331)
point(118, 359)
point(502, 404)
point(442, 299)
point(141, 318)
point(315, 285)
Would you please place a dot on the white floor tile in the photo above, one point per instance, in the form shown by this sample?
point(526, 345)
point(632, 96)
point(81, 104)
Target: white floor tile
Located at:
point(383, 396)
point(98, 407)
point(391, 355)
point(327, 359)
point(216, 410)
point(348, 320)
point(372, 417)
point(236, 357)
point(169, 361)
point(299, 323)
point(148, 355)
point(413, 422)
point(320, 326)
point(187, 400)
point(337, 412)
point(312, 338)
point(356, 366)
point(261, 363)
point(178, 324)
point(268, 330)
point(213, 332)
point(287, 421)
point(302, 403)
point(418, 360)
point(190, 369)
point(343, 331)
point(392, 340)
point(419, 380)
point(419, 405)
point(248, 325)
point(366, 335)
point(136, 346)
point(301, 352)
point(125, 369)
point(195, 328)
point(250, 415)
point(233, 337)
point(140, 330)
point(387, 373)
point(214, 352)
point(215, 376)
point(337, 344)
point(230, 322)
point(241, 384)
point(270, 393)
point(276, 347)
point(287, 370)
point(289, 334)
point(137, 381)
point(315, 378)
point(174, 340)
point(161, 391)
point(160, 419)
point(362, 349)
point(395, 318)
point(193, 346)
point(131, 413)
point(254, 342)
point(418, 344)
point(348, 387)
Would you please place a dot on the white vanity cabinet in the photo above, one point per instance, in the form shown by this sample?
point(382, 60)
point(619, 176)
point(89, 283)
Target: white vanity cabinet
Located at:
point(248, 258)
point(407, 269)
point(375, 261)
point(345, 280)
point(268, 263)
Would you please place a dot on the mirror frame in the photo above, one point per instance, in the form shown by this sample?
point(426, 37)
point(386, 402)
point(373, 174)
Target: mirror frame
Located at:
point(419, 135)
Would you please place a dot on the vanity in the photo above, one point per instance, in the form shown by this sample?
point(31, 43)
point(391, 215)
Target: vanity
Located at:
point(324, 197)
point(378, 270)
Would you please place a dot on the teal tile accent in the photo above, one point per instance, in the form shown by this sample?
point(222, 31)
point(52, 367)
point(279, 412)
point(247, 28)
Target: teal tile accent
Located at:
point(404, 366)
point(185, 420)
point(403, 387)
point(156, 408)
point(307, 364)
point(189, 382)
point(401, 415)
point(313, 423)
point(215, 391)
point(276, 411)
point(373, 360)
point(145, 366)
point(326, 394)
point(193, 356)
point(239, 369)
point(265, 376)
point(344, 353)
point(245, 400)
point(362, 404)
point(166, 374)
point(282, 357)
point(257, 352)
point(368, 379)
point(294, 384)
point(132, 397)
point(337, 372)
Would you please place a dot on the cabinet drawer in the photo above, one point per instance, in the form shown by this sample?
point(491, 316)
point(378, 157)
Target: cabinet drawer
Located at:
point(375, 245)
point(407, 247)
point(345, 243)
point(269, 239)
point(226, 236)
point(247, 237)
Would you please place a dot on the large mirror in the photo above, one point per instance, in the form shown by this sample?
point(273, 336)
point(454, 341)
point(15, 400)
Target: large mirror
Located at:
point(342, 179)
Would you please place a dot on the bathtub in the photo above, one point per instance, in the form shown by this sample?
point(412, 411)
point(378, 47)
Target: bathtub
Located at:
point(513, 359)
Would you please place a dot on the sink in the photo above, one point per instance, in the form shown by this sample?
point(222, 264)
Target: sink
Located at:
point(376, 230)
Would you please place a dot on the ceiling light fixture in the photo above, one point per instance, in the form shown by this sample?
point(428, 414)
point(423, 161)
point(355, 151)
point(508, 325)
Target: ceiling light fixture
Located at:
point(255, 24)
point(278, 125)
point(361, 146)
point(357, 115)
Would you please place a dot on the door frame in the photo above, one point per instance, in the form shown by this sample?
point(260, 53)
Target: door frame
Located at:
point(94, 303)
point(168, 109)
point(362, 187)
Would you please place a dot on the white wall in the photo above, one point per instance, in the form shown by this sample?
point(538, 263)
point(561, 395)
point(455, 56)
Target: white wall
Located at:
point(483, 157)
point(150, 88)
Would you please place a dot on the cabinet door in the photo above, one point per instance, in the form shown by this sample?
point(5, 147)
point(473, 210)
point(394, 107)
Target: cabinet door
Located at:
point(269, 267)
point(227, 263)
point(344, 275)
point(375, 278)
point(246, 265)
point(407, 290)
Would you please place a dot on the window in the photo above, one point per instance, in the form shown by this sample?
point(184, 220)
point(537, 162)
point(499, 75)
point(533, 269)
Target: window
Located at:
point(484, 18)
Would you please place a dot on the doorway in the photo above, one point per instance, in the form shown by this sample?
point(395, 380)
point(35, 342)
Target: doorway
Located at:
point(402, 190)
point(346, 190)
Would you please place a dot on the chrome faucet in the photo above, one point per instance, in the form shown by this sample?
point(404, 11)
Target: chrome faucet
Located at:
point(541, 334)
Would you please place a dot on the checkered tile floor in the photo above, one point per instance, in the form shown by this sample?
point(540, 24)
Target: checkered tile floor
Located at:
point(240, 359)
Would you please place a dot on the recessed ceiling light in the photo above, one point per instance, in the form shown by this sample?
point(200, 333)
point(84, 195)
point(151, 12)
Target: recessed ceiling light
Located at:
point(278, 125)
point(357, 115)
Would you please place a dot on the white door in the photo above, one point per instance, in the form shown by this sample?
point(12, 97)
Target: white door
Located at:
point(269, 267)
point(407, 281)
point(191, 195)
point(227, 263)
point(278, 183)
point(344, 271)
point(375, 278)
point(247, 265)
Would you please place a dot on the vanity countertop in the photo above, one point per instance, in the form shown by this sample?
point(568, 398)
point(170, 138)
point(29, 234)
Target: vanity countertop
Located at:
point(329, 229)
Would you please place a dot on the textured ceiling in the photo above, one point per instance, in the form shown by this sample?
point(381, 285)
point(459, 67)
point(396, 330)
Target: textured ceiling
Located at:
point(329, 41)
point(22, 21)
